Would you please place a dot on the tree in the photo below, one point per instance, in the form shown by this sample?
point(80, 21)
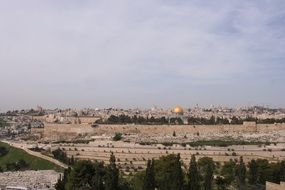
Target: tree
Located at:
point(3, 151)
point(61, 156)
point(98, 178)
point(282, 171)
point(228, 172)
point(208, 179)
point(137, 180)
point(149, 181)
point(22, 165)
point(72, 161)
point(193, 175)
point(112, 175)
point(117, 137)
point(263, 167)
point(60, 185)
point(177, 175)
point(221, 183)
point(252, 172)
point(241, 174)
point(81, 176)
point(168, 172)
point(206, 169)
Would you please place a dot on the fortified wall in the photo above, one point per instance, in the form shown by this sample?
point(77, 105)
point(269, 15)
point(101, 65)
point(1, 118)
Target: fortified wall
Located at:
point(247, 127)
point(53, 131)
point(70, 131)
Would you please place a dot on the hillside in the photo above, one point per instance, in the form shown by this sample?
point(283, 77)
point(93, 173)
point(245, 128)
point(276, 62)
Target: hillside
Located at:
point(34, 163)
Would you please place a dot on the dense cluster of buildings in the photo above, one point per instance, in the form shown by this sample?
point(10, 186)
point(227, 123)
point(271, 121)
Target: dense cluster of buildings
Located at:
point(224, 112)
point(21, 121)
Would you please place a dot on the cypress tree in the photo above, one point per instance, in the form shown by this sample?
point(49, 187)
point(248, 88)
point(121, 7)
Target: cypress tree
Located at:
point(208, 181)
point(149, 181)
point(112, 175)
point(72, 161)
point(282, 171)
point(59, 185)
point(193, 175)
point(253, 172)
point(241, 174)
point(97, 180)
point(177, 175)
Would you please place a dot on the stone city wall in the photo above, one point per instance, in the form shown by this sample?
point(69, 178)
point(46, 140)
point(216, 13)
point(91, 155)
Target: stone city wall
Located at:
point(68, 131)
point(189, 129)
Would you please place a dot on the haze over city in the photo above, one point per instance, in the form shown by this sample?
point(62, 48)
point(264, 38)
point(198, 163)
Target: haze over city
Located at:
point(141, 53)
point(142, 95)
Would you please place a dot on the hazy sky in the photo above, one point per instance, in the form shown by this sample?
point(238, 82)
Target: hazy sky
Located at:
point(139, 53)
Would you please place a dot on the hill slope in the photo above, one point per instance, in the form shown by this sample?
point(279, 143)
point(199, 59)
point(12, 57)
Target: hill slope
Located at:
point(35, 163)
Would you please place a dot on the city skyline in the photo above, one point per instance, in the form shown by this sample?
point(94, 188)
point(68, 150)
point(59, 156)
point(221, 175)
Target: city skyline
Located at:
point(139, 54)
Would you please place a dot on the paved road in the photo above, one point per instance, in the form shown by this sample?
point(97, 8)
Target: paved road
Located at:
point(37, 154)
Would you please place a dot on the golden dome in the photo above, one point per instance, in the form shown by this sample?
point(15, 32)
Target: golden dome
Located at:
point(178, 109)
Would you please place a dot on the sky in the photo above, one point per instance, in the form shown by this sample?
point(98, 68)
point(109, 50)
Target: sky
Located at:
point(133, 53)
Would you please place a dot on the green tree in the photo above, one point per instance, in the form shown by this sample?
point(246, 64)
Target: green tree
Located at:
point(241, 174)
point(177, 175)
point(193, 175)
point(252, 172)
point(208, 179)
point(72, 161)
point(282, 171)
point(263, 167)
point(168, 172)
point(62, 181)
point(117, 137)
point(206, 167)
point(98, 178)
point(228, 171)
point(221, 183)
point(22, 165)
point(137, 181)
point(149, 181)
point(81, 176)
point(112, 175)
point(3, 151)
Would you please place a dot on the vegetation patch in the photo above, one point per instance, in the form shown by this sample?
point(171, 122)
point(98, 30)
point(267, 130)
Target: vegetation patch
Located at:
point(117, 137)
point(218, 143)
point(20, 157)
point(221, 143)
point(78, 141)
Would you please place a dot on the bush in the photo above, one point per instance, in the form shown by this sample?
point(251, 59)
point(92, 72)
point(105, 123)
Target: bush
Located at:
point(3, 151)
point(117, 137)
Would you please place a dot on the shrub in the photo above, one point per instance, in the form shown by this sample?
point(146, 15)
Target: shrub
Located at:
point(117, 137)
